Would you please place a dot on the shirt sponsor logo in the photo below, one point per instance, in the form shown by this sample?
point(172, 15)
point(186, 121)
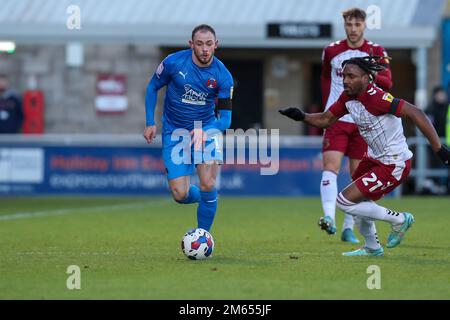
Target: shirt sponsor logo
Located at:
point(193, 97)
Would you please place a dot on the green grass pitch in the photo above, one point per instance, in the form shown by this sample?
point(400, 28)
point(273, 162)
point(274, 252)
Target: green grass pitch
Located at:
point(265, 248)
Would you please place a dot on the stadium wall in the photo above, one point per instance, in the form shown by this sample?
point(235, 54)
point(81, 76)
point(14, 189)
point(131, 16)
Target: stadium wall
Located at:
point(70, 92)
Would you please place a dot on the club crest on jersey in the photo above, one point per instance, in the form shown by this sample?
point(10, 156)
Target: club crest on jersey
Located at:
point(388, 97)
point(211, 83)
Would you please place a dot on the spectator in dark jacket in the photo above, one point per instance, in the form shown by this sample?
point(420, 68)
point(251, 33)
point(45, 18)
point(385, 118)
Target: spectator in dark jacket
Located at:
point(437, 113)
point(11, 113)
point(437, 110)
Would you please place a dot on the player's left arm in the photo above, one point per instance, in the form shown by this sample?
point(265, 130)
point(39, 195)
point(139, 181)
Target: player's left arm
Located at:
point(224, 104)
point(223, 122)
point(419, 118)
point(383, 79)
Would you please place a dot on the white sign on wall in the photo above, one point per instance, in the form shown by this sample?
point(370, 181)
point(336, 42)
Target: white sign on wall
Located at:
point(111, 94)
point(21, 165)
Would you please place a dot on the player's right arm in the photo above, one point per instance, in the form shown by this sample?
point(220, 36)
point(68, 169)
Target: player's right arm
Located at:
point(321, 119)
point(159, 80)
point(325, 77)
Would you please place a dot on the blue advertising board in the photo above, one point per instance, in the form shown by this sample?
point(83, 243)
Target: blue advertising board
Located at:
point(446, 53)
point(69, 170)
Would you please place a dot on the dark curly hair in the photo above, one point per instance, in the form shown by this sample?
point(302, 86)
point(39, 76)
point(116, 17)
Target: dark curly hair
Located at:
point(369, 64)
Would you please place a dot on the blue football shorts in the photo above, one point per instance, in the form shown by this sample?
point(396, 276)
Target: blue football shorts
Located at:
point(179, 157)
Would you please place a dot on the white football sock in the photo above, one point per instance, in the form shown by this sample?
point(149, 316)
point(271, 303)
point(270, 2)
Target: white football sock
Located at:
point(348, 222)
point(328, 193)
point(369, 209)
point(369, 232)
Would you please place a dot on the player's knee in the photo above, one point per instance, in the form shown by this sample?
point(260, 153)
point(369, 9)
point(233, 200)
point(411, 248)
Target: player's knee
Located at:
point(332, 165)
point(331, 168)
point(344, 204)
point(179, 194)
point(208, 185)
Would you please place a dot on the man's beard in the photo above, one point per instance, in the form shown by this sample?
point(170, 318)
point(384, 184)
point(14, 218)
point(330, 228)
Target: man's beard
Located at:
point(200, 58)
point(356, 41)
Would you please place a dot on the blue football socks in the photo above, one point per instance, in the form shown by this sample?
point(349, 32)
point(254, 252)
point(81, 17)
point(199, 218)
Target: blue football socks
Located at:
point(207, 209)
point(193, 195)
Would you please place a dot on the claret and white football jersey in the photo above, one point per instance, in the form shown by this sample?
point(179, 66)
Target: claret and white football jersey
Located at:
point(377, 115)
point(332, 77)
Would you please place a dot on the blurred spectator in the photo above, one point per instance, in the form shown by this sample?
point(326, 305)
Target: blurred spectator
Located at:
point(11, 113)
point(437, 112)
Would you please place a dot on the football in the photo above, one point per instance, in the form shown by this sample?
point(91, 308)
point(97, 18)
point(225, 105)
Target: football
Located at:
point(197, 244)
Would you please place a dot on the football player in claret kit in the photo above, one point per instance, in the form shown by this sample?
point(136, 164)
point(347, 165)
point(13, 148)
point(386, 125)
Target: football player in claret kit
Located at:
point(194, 79)
point(388, 161)
point(343, 138)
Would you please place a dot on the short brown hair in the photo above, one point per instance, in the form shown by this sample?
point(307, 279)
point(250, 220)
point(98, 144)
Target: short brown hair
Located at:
point(356, 13)
point(203, 27)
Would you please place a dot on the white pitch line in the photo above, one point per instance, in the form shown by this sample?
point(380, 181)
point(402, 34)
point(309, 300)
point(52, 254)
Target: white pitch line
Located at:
point(60, 212)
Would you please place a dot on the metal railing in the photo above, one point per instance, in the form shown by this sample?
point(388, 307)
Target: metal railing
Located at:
point(422, 171)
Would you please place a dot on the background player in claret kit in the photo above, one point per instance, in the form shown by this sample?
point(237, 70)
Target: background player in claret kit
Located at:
point(194, 79)
point(343, 138)
point(387, 164)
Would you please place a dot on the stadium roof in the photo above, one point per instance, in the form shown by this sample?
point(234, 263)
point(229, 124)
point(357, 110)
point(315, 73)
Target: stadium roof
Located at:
point(404, 23)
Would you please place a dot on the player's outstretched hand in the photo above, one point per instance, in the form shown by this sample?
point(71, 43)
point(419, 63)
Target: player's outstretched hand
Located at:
point(293, 113)
point(444, 154)
point(150, 133)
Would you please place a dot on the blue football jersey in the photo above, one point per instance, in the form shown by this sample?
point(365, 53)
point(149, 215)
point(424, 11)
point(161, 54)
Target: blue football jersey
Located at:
point(191, 90)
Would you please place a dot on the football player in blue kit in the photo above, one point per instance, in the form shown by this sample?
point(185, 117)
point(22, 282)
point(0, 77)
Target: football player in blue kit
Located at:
point(196, 80)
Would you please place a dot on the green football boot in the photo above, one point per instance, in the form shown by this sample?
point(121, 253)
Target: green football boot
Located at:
point(398, 231)
point(348, 236)
point(365, 252)
point(327, 223)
